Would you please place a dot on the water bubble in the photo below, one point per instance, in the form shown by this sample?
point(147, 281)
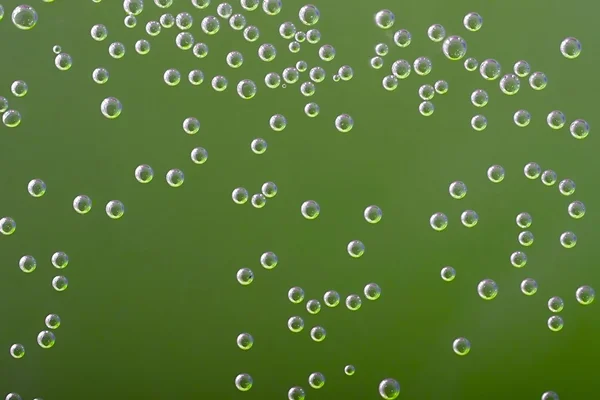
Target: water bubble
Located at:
point(568, 240)
point(438, 221)
point(349, 370)
point(385, 19)
point(116, 50)
point(267, 52)
point(471, 64)
point(556, 119)
point(473, 21)
point(251, 33)
point(245, 341)
point(316, 380)
point(376, 62)
point(24, 17)
point(353, 302)
point(566, 187)
point(245, 276)
point(63, 61)
point(556, 304)
point(272, 7)
point(331, 298)
point(269, 189)
point(184, 40)
point(144, 173)
point(356, 248)
point(82, 204)
point(318, 333)
point(401, 69)
point(201, 4)
point(258, 200)
point(317, 74)
point(479, 122)
point(490, 69)
point(172, 77)
point(327, 52)
point(295, 324)
point(549, 177)
point(309, 15)
point(579, 129)
point(290, 75)
point(402, 38)
point(313, 306)
point(510, 84)
point(258, 146)
point(237, 22)
point(570, 48)
point(111, 107)
point(532, 170)
point(3, 104)
point(529, 287)
point(344, 123)
point(246, 89)
point(389, 389)
point(538, 81)
point(60, 283)
point(487, 289)
point(17, 350)
point(426, 108)
point(576, 209)
point(389, 82)
point(36, 188)
point(175, 177)
point(550, 395)
point(526, 238)
point(299, 38)
point(278, 122)
point(191, 125)
point(426, 92)
point(524, 220)
point(448, 273)
point(422, 66)
point(243, 382)
point(224, 10)
point(249, 5)
point(200, 50)
point(11, 118)
point(518, 259)
point(196, 77)
point(469, 218)
point(461, 346)
point(100, 76)
point(8, 226)
point(153, 28)
point(115, 209)
point(163, 3)
point(19, 88)
point(134, 7)
point(60, 260)
point(199, 155)
point(52, 321)
point(239, 195)
point(287, 30)
point(457, 190)
point(130, 21)
point(46, 339)
point(522, 118)
point(436, 33)
point(373, 214)
point(184, 22)
point(313, 36)
point(210, 25)
point(555, 323)
point(301, 66)
point(441, 87)
point(310, 209)
point(219, 83)
point(479, 98)
point(585, 295)
point(454, 48)
point(345, 72)
point(522, 68)
point(16, 396)
point(312, 109)
point(27, 264)
point(372, 291)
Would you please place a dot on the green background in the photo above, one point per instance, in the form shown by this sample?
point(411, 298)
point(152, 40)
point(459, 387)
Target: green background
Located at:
point(153, 307)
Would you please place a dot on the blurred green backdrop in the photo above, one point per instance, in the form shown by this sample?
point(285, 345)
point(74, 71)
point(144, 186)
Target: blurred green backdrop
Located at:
point(153, 307)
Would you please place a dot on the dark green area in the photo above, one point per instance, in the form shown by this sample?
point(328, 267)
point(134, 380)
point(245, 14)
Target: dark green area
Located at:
point(153, 307)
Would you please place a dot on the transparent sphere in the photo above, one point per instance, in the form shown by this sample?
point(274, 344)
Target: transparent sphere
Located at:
point(570, 48)
point(438, 221)
point(312, 109)
point(579, 129)
point(518, 259)
point(549, 177)
point(538, 81)
point(287, 30)
point(422, 66)
point(52, 321)
point(258, 146)
point(239, 195)
point(356, 248)
point(175, 177)
point(532, 170)
point(487, 289)
point(550, 395)
point(60, 260)
point(234, 59)
point(349, 369)
point(385, 19)
point(526, 238)
point(402, 38)
point(521, 68)
point(278, 122)
point(19, 88)
point(401, 69)
point(309, 15)
point(375, 62)
point(556, 119)
point(153, 28)
point(199, 155)
point(448, 273)
point(36, 188)
point(11, 118)
point(381, 49)
point(17, 350)
point(318, 333)
point(389, 82)
point(196, 77)
point(353, 302)
point(246, 89)
point(568, 240)
point(426, 92)
point(272, 7)
point(327, 52)
point(245, 276)
point(243, 382)
point(201, 4)
point(585, 295)
point(200, 50)
point(510, 84)
point(251, 33)
point(345, 72)
point(245, 341)
point(566, 187)
point(373, 214)
point(555, 323)
point(210, 25)
point(454, 48)
point(163, 3)
point(115, 209)
point(331, 298)
point(469, 218)
point(301, 66)
point(473, 21)
point(100, 76)
point(310, 209)
point(490, 69)
point(116, 50)
point(372, 291)
point(63, 61)
point(269, 260)
point(111, 107)
point(167, 20)
point(130, 21)
point(184, 40)
point(191, 125)
point(313, 306)
point(16, 396)
point(296, 393)
point(172, 77)
point(3, 104)
point(479, 98)
point(224, 10)
point(82, 204)
point(457, 190)
point(313, 36)
point(258, 200)
point(344, 123)
point(426, 108)
point(267, 52)
point(27, 264)
point(134, 7)
point(436, 33)
point(461, 346)
point(8, 226)
point(24, 17)
point(389, 389)
point(316, 380)
point(471, 64)
point(295, 324)
point(290, 75)
point(60, 283)
point(46, 339)
point(296, 295)
point(249, 5)
point(272, 80)
point(529, 287)
point(524, 220)
point(184, 21)
point(99, 32)
point(556, 304)
point(441, 87)
point(522, 118)
point(576, 209)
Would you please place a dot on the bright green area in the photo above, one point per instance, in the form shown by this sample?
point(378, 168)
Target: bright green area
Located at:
point(153, 307)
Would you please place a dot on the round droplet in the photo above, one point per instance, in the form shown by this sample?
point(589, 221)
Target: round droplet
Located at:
point(555, 323)
point(381, 49)
point(115, 209)
point(63, 61)
point(310, 209)
point(579, 129)
point(327, 52)
point(448, 273)
point(269, 189)
point(538, 81)
point(556, 304)
point(318, 333)
point(243, 382)
point(19, 88)
point(313, 306)
point(402, 38)
point(52, 321)
point(510, 84)
point(116, 50)
point(99, 32)
point(353, 302)
point(487, 289)
point(316, 380)
point(457, 190)
point(526, 238)
point(422, 66)
point(375, 62)
point(278, 122)
point(576, 209)
point(309, 15)
point(441, 87)
point(479, 98)
point(295, 324)
point(17, 350)
point(426, 108)
point(372, 291)
point(8, 226)
point(144, 173)
point(522, 118)
point(389, 82)
point(585, 295)
point(401, 69)
point(239, 195)
point(426, 92)
point(570, 48)
point(272, 7)
point(36, 188)
point(490, 69)
point(344, 123)
point(473, 21)
point(556, 119)
point(389, 389)
point(296, 295)
point(258, 200)
point(245, 341)
point(258, 146)
point(518, 259)
point(60, 260)
point(246, 89)
point(568, 240)
point(496, 173)
point(82, 204)
point(24, 17)
point(251, 33)
point(245, 276)
point(532, 170)
point(356, 248)
point(529, 287)
point(27, 264)
point(100, 76)
point(60, 283)
point(566, 187)
point(130, 21)
point(312, 109)
point(111, 107)
point(550, 395)
point(175, 177)
point(3, 104)
point(46, 339)
point(438, 221)
point(373, 214)
point(469, 218)
point(549, 177)
point(199, 155)
point(454, 48)
point(522, 68)
point(385, 19)
point(331, 298)
point(471, 64)
point(461, 346)
point(479, 122)
point(269, 260)
point(524, 220)
point(436, 33)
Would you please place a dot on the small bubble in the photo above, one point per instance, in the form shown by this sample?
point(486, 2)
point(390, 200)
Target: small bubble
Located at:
point(24, 17)
point(448, 273)
point(522, 118)
point(490, 69)
point(518, 259)
point(353, 302)
point(36, 188)
point(487, 289)
point(331, 298)
point(454, 48)
point(585, 295)
point(245, 341)
point(579, 129)
point(239, 195)
point(82, 204)
point(570, 48)
point(473, 21)
point(245, 276)
point(471, 64)
point(295, 324)
point(461, 346)
point(529, 287)
point(318, 333)
point(389, 389)
point(438, 221)
point(469, 218)
point(243, 382)
point(532, 170)
point(356, 248)
point(556, 119)
point(115, 209)
point(538, 81)
point(555, 323)
point(385, 19)
point(568, 240)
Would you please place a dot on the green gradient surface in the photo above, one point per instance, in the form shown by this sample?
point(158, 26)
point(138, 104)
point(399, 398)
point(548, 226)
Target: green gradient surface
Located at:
point(153, 307)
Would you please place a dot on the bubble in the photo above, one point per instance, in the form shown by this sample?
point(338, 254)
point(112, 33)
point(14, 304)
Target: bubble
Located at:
point(327, 52)
point(317, 74)
point(518, 259)
point(237, 22)
point(134, 7)
point(316, 380)
point(269, 189)
point(454, 48)
point(60, 283)
point(526, 238)
point(267, 52)
point(473, 21)
point(278, 122)
point(556, 119)
point(46, 339)
point(487, 289)
point(568, 240)
point(210, 25)
point(258, 200)
point(249, 5)
point(469, 218)
point(555, 323)
point(100, 76)
point(426, 108)
point(532, 170)
point(82, 204)
point(1, 12)
point(385, 19)
point(309, 15)
point(310, 209)
point(27, 264)
point(471, 64)
point(19, 88)
point(448, 273)
point(184, 21)
point(426, 92)
point(287, 30)
point(245, 341)
point(153, 28)
point(372, 291)
point(344, 123)
point(331, 298)
point(219, 83)
point(116, 50)
point(290, 75)
point(258, 146)
point(36, 188)
point(479, 122)
point(272, 7)
point(538, 81)
point(175, 177)
point(549, 178)
point(312, 109)
point(579, 129)
point(239, 195)
point(11, 118)
point(243, 382)
point(318, 333)
point(115, 209)
point(24, 17)
point(313, 36)
point(556, 304)
point(8, 226)
point(441, 87)
point(510, 84)
point(576, 209)
point(199, 155)
point(52, 321)
point(17, 350)
point(184, 40)
point(436, 33)
point(3, 104)
point(529, 287)
point(566, 187)
point(130, 21)
point(522, 68)
point(389, 389)
point(16, 396)
point(570, 48)
point(522, 118)
point(224, 10)
point(295, 324)
point(376, 62)
point(353, 302)
point(401, 69)
point(402, 38)
point(196, 77)
point(200, 50)
point(389, 82)
point(345, 72)
point(60, 260)
point(296, 393)
point(301, 66)
point(356, 248)
point(457, 190)
point(422, 66)
point(524, 220)
point(549, 396)
point(201, 4)
point(461, 346)
point(585, 295)
point(438, 221)
point(373, 214)
point(479, 98)
point(251, 33)
point(313, 306)
point(245, 276)
point(490, 69)
point(172, 77)
point(163, 3)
